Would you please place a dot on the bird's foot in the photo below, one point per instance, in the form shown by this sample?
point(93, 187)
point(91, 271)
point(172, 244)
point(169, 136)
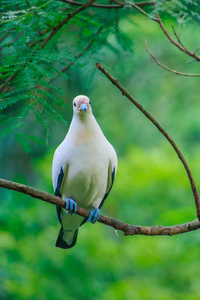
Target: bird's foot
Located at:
point(71, 206)
point(94, 215)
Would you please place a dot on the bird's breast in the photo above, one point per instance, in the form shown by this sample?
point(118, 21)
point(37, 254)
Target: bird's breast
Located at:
point(83, 137)
point(86, 180)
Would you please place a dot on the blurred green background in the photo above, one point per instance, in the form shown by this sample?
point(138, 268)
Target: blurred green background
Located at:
point(151, 186)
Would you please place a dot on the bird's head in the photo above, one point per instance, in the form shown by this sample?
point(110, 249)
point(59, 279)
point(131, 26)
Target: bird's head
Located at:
point(81, 105)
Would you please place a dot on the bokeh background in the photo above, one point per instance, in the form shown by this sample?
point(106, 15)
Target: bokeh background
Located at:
point(151, 186)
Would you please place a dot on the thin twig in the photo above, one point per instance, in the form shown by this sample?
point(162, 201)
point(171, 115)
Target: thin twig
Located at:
point(178, 36)
point(196, 49)
point(135, 5)
point(179, 28)
point(168, 69)
point(4, 37)
point(8, 81)
point(15, 39)
point(126, 228)
point(161, 129)
point(35, 13)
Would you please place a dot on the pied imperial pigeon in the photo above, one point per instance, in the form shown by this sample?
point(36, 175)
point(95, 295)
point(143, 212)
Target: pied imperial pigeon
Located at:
point(83, 171)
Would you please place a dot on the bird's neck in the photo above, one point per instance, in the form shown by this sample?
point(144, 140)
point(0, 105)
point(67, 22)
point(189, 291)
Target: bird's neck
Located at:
point(84, 130)
point(84, 121)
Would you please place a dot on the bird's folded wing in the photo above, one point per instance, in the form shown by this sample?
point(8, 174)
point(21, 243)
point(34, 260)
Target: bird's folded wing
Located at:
point(111, 177)
point(59, 177)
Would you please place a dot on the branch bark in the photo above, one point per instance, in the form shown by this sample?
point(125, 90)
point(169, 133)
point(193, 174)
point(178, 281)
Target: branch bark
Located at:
point(126, 228)
point(163, 132)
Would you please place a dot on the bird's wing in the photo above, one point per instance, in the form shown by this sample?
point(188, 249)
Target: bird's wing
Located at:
point(111, 177)
point(58, 178)
point(57, 192)
point(66, 238)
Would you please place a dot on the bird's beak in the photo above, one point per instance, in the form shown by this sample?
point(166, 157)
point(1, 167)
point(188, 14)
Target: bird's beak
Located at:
point(83, 107)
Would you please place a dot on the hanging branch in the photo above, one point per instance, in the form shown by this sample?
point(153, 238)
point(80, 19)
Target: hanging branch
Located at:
point(166, 135)
point(126, 228)
point(178, 44)
point(168, 69)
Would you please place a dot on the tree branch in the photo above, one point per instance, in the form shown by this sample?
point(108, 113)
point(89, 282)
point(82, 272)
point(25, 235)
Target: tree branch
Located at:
point(158, 20)
point(168, 69)
point(8, 81)
point(161, 129)
point(135, 5)
point(126, 228)
point(106, 6)
point(177, 44)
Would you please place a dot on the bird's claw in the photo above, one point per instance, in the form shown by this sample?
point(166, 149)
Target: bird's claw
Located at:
point(71, 206)
point(94, 215)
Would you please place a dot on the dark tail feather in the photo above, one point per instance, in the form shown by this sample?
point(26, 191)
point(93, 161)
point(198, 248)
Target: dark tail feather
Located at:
point(63, 244)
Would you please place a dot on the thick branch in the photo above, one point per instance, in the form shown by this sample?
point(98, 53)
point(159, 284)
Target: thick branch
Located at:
point(108, 6)
point(126, 228)
point(159, 127)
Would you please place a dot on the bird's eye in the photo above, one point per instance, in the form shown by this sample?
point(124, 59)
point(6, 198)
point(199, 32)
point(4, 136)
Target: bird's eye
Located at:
point(89, 103)
point(74, 104)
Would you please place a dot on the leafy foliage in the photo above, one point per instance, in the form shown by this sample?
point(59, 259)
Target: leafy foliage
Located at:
point(28, 70)
point(181, 10)
point(25, 25)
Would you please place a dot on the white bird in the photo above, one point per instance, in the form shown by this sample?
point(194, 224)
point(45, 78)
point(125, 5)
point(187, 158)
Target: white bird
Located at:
point(83, 171)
